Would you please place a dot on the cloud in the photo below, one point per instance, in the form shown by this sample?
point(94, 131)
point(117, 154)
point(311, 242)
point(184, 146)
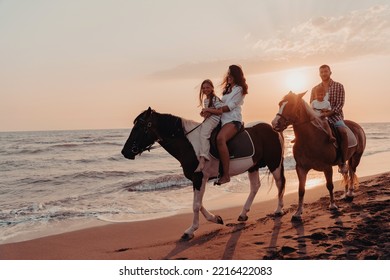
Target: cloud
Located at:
point(318, 40)
point(358, 33)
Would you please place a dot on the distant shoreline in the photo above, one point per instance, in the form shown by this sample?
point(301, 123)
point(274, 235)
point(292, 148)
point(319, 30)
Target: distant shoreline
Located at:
point(128, 128)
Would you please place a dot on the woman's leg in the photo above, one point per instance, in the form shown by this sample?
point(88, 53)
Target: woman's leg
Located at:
point(227, 132)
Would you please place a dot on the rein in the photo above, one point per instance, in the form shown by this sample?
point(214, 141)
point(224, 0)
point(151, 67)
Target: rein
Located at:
point(295, 123)
point(194, 128)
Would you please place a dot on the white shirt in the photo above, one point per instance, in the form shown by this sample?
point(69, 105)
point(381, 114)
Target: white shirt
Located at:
point(217, 103)
point(318, 106)
point(234, 101)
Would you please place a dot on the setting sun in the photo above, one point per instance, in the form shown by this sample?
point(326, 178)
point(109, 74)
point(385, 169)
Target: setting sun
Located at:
point(296, 81)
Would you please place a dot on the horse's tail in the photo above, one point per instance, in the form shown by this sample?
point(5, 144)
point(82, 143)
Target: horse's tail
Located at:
point(268, 173)
point(355, 181)
point(281, 163)
point(348, 181)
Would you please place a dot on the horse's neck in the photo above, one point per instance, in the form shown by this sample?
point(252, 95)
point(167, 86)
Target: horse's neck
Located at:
point(172, 136)
point(309, 124)
point(173, 147)
point(169, 126)
point(309, 134)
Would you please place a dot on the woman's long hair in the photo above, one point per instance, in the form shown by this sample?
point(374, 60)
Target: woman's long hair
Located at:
point(201, 94)
point(238, 76)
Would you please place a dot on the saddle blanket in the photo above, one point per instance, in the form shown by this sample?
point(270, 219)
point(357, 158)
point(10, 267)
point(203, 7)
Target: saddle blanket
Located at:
point(352, 141)
point(240, 146)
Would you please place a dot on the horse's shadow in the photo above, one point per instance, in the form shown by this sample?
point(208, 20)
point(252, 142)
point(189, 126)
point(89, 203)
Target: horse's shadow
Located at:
point(274, 252)
point(181, 245)
point(233, 240)
point(299, 227)
point(230, 247)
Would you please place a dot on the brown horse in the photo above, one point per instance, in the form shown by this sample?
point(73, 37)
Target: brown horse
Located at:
point(169, 132)
point(312, 148)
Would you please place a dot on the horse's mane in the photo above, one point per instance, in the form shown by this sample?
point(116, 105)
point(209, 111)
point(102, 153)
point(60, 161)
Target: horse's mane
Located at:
point(315, 118)
point(311, 114)
point(171, 124)
point(310, 111)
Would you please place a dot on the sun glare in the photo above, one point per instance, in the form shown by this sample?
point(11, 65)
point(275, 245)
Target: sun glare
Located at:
point(296, 81)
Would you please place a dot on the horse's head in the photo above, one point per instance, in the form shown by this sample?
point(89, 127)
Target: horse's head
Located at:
point(289, 111)
point(142, 136)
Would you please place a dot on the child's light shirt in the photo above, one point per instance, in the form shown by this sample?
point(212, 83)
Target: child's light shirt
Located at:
point(318, 106)
point(217, 103)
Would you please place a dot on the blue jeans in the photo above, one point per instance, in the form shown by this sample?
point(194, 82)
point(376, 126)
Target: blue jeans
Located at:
point(340, 123)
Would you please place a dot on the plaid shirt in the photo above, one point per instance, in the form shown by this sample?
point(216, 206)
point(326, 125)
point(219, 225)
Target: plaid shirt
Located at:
point(336, 98)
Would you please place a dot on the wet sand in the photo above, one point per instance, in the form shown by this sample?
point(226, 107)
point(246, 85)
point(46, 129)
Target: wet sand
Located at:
point(358, 230)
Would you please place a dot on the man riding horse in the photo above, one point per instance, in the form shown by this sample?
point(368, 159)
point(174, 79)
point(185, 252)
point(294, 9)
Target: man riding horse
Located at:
point(335, 94)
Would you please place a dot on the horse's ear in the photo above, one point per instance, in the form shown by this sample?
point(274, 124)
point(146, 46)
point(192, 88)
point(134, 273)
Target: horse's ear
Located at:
point(302, 94)
point(148, 112)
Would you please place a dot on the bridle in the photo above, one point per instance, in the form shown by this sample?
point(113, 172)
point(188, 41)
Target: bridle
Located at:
point(286, 121)
point(149, 130)
point(147, 126)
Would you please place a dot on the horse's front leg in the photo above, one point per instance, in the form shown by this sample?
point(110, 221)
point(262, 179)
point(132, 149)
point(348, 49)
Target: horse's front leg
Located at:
point(302, 175)
point(197, 206)
point(329, 185)
point(208, 215)
point(255, 185)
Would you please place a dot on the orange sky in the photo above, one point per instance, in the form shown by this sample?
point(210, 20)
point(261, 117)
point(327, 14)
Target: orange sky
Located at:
point(98, 64)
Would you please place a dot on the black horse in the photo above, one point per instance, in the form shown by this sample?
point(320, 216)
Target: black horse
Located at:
point(171, 133)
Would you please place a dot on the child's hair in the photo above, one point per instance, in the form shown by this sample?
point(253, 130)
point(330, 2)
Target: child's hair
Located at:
point(207, 81)
point(318, 88)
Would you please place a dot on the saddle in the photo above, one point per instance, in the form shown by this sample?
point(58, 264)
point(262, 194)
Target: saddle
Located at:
point(240, 146)
point(352, 141)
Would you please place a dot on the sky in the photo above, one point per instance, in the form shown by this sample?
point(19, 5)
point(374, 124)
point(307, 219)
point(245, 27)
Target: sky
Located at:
point(94, 64)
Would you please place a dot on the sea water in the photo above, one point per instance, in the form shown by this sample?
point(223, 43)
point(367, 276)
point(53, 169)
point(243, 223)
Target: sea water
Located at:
point(55, 179)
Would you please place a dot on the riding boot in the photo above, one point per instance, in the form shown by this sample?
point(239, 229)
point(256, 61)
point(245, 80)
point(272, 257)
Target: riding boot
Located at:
point(343, 168)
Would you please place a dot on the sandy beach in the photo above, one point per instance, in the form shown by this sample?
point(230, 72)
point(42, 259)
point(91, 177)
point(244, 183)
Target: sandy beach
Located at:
point(358, 230)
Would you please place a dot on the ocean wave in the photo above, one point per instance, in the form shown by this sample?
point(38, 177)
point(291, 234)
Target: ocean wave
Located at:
point(28, 151)
point(65, 146)
point(85, 144)
point(36, 214)
point(96, 175)
point(289, 163)
point(384, 137)
point(158, 184)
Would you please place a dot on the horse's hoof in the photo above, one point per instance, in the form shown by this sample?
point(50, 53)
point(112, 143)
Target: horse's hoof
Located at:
point(242, 218)
point(279, 214)
point(348, 198)
point(296, 218)
point(186, 237)
point(219, 220)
